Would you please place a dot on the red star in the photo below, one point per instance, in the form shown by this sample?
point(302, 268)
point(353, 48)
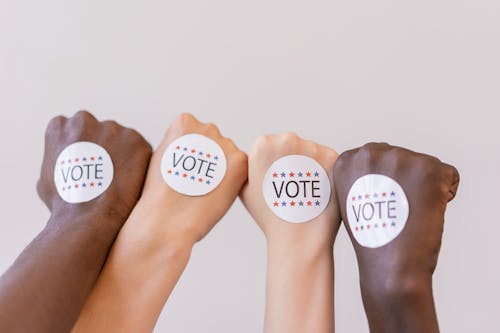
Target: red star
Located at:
point(193, 151)
point(308, 174)
point(275, 175)
point(91, 184)
point(367, 196)
point(275, 204)
point(169, 171)
point(368, 226)
point(184, 175)
point(64, 188)
point(208, 155)
point(77, 159)
point(292, 203)
point(62, 162)
point(92, 158)
point(384, 225)
point(292, 174)
point(177, 147)
point(309, 203)
point(384, 194)
point(357, 228)
point(353, 198)
point(200, 180)
point(76, 185)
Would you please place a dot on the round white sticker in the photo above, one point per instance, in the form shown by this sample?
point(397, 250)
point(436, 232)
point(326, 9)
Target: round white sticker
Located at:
point(82, 172)
point(377, 210)
point(193, 164)
point(296, 188)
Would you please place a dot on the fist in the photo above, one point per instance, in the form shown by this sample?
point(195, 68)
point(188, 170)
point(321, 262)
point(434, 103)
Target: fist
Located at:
point(102, 172)
point(290, 197)
point(193, 182)
point(393, 202)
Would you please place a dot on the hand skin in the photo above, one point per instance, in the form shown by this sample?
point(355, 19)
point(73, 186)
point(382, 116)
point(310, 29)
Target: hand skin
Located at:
point(299, 292)
point(155, 243)
point(396, 279)
point(46, 287)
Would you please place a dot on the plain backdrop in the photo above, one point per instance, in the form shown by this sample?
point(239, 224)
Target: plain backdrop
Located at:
point(420, 74)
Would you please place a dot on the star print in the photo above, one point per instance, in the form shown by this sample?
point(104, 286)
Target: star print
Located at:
point(368, 226)
point(63, 188)
point(308, 174)
point(359, 197)
point(69, 187)
point(177, 147)
point(169, 171)
point(62, 162)
point(367, 196)
point(77, 159)
point(309, 203)
point(200, 153)
point(275, 175)
point(283, 204)
point(357, 228)
point(384, 224)
point(393, 224)
point(301, 203)
point(76, 185)
point(92, 158)
point(200, 180)
point(393, 193)
point(185, 149)
point(375, 195)
point(100, 158)
point(177, 173)
point(84, 159)
point(384, 194)
point(216, 158)
point(99, 184)
point(192, 177)
point(353, 198)
point(193, 151)
point(292, 203)
point(362, 228)
point(316, 174)
point(84, 185)
point(376, 225)
point(208, 182)
point(91, 184)
point(300, 174)
point(291, 174)
point(317, 203)
point(275, 204)
point(283, 174)
point(184, 175)
point(69, 161)
point(208, 155)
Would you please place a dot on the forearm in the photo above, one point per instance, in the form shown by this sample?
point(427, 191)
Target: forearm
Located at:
point(299, 292)
point(400, 305)
point(144, 265)
point(45, 288)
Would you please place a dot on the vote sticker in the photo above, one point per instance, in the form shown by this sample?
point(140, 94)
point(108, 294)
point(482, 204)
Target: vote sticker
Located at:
point(82, 172)
point(296, 188)
point(193, 164)
point(377, 210)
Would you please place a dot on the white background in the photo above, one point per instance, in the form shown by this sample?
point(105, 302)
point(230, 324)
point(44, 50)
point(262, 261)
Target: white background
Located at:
point(420, 74)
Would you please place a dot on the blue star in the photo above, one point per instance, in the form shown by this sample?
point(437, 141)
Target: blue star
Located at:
point(376, 225)
point(299, 174)
point(393, 223)
point(216, 158)
point(316, 174)
point(177, 173)
point(185, 149)
point(208, 182)
point(84, 159)
point(283, 204)
point(69, 186)
point(359, 197)
point(200, 153)
point(84, 185)
point(362, 228)
point(283, 174)
point(99, 184)
point(317, 203)
point(192, 177)
point(393, 193)
point(375, 195)
point(100, 158)
point(69, 161)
